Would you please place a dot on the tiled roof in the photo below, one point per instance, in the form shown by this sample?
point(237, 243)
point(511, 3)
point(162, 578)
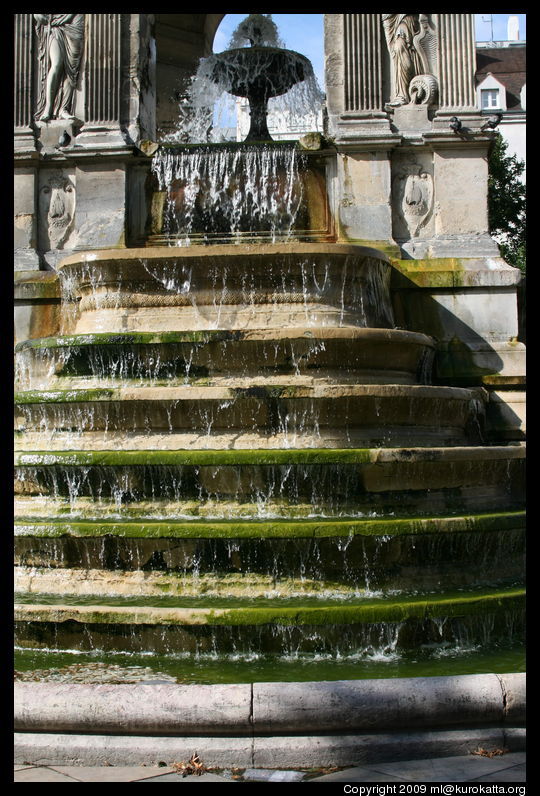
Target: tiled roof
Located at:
point(507, 64)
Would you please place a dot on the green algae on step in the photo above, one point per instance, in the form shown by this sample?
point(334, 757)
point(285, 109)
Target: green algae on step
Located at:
point(278, 456)
point(370, 611)
point(129, 338)
point(262, 391)
point(195, 457)
point(200, 529)
point(63, 396)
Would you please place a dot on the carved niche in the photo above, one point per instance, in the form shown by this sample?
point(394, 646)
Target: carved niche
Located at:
point(412, 43)
point(56, 210)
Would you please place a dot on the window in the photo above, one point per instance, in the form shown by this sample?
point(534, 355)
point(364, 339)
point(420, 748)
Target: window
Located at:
point(490, 98)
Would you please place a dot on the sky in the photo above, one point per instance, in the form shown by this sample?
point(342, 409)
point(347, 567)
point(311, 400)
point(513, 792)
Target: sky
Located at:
point(304, 33)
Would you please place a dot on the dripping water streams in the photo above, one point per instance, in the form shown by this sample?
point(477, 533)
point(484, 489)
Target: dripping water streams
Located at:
point(230, 190)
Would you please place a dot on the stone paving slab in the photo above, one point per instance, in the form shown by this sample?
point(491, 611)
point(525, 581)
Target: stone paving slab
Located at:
point(207, 777)
point(357, 774)
point(450, 769)
point(446, 769)
point(111, 773)
point(41, 774)
point(512, 774)
point(470, 768)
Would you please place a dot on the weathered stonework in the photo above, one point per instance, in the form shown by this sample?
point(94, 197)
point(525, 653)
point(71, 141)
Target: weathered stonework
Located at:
point(399, 178)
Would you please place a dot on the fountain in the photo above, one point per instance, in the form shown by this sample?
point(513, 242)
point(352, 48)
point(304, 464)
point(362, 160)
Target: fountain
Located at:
point(259, 72)
point(232, 465)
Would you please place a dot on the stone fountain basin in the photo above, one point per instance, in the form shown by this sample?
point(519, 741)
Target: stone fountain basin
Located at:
point(242, 286)
point(346, 722)
point(265, 71)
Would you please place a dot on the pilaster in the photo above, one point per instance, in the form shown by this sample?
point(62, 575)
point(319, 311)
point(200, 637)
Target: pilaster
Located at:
point(73, 164)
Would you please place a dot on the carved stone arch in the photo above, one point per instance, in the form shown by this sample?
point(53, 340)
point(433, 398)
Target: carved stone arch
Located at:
point(181, 40)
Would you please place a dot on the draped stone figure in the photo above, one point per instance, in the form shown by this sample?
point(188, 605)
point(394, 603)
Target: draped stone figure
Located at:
point(60, 47)
point(412, 43)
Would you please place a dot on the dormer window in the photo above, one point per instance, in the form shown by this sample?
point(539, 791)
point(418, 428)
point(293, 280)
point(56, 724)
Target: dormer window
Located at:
point(491, 95)
point(490, 98)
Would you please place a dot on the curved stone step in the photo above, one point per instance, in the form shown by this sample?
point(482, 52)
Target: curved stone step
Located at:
point(345, 556)
point(391, 356)
point(279, 626)
point(335, 527)
point(425, 480)
point(236, 416)
point(235, 287)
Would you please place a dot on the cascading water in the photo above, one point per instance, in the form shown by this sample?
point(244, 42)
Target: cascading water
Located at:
point(230, 191)
point(231, 466)
point(235, 190)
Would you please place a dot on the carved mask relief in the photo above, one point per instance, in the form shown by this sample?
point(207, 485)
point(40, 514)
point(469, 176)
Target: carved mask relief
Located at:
point(56, 211)
point(412, 201)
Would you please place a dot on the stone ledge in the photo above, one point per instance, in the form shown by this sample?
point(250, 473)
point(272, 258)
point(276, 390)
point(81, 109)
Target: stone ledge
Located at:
point(453, 272)
point(271, 752)
point(311, 707)
point(32, 285)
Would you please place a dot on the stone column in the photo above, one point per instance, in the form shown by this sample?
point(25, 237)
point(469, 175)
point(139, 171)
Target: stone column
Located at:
point(109, 65)
point(102, 73)
point(360, 127)
point(119, 80)
point(457, 64)
point(363, 73)
point(23, 73)
point(354, 77)
point(25, 179)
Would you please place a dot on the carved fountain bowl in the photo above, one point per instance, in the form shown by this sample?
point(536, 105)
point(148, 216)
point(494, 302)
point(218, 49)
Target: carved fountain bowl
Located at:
point(263, 71)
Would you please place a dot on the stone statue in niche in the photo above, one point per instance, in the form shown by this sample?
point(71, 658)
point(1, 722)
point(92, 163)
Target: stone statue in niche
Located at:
point(413, 199)
point(60, 47)
point(412, 44)
point(56, 211)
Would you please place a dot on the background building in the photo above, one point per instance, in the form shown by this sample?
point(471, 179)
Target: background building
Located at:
point(501, 86)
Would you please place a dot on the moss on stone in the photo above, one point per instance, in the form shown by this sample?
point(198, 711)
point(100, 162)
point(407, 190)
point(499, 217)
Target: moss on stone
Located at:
point(283, 529)
point(130, 338)
point(439, 272)
point(295, 613)
point(307, 456)
point(62, 396)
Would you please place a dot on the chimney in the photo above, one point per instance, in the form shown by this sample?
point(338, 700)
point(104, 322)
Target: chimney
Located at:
point(513, 28)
